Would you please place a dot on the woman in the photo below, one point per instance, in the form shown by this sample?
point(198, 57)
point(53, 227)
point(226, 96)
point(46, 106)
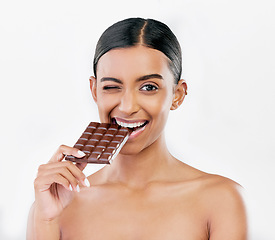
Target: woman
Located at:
point(145, 193)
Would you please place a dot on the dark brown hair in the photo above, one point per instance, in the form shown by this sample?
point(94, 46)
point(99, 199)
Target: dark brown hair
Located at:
point(138, 31)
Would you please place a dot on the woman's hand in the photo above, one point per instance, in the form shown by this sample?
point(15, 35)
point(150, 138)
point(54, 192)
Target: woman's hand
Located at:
point(56, 183)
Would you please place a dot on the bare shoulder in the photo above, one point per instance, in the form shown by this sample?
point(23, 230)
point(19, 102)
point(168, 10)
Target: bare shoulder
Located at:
point(216, 191)
point(217, 182)
point(222, 190)
point(211, 185)
point(223, 200)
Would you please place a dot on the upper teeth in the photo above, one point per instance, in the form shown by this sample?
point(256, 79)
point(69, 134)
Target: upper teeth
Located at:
point(130, 125)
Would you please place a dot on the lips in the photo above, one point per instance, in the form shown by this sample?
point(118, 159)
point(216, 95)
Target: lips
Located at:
point(135, 126)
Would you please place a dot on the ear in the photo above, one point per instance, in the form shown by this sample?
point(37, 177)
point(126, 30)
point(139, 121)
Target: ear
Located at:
point(93, 88)
point(179, 94)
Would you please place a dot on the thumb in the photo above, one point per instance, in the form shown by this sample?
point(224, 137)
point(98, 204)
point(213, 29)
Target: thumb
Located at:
point(64, 150)
point(80, 165)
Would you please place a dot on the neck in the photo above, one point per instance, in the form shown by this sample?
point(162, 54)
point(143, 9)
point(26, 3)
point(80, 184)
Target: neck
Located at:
point(138, 170)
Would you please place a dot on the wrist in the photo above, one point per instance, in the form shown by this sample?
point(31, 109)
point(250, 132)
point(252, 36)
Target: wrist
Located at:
point(46, 229)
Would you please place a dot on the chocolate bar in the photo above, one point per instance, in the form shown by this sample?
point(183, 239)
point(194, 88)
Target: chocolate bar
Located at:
point(101, 142)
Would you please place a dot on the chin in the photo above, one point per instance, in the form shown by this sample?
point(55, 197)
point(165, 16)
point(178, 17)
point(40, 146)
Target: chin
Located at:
point(129, 151)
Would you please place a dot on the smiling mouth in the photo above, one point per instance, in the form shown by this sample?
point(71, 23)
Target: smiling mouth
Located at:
point(133, 126)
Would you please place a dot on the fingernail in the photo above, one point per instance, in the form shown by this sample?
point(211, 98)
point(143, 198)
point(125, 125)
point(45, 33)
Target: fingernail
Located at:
point(77, 188)
point(87, 183)
point(71, 188)
point(82, 154)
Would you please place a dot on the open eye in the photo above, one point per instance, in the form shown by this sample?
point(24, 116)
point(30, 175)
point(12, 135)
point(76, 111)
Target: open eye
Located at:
point(149, 87)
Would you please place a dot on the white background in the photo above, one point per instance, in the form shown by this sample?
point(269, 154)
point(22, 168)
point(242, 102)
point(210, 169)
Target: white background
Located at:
point(225, 126)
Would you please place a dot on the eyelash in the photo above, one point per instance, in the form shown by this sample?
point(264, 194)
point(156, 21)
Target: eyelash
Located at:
point(155, 88)
point(152, 87)
point(110, 87)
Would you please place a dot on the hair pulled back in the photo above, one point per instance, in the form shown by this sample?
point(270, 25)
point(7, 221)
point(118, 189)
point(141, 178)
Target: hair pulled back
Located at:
point(146, 32)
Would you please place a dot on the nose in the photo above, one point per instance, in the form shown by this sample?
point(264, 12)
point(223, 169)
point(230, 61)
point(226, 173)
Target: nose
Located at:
point(128, 103)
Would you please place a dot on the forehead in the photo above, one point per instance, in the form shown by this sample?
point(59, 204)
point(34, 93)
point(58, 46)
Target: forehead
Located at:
point(134, 62)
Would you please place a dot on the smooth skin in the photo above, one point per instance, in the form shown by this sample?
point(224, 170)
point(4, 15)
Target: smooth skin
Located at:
point(145, 193)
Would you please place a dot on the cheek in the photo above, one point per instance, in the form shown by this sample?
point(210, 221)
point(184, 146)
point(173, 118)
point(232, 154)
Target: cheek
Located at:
point(105, 104)
point(158, 104)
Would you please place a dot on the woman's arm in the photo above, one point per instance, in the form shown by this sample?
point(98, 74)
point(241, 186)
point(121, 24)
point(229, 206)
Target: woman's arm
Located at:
point(54, 187)
point(38, 229)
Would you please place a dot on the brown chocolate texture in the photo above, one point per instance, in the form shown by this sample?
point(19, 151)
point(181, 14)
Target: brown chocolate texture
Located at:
point(101, 142)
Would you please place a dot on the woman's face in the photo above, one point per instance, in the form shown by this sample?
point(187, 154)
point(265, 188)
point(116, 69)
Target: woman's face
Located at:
point(135, 88)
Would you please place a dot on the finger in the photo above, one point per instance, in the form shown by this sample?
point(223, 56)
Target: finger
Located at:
point(60, 176)
point(67, 174)
point(44, 183)
point(78, 174)
point(76, 170)
point(64, 167)
point(64, 150)
point(46, 167)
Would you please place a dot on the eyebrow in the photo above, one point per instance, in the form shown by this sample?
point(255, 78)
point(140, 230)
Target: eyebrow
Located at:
point(104, 79)
point(142, 78)
point(146, 77)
